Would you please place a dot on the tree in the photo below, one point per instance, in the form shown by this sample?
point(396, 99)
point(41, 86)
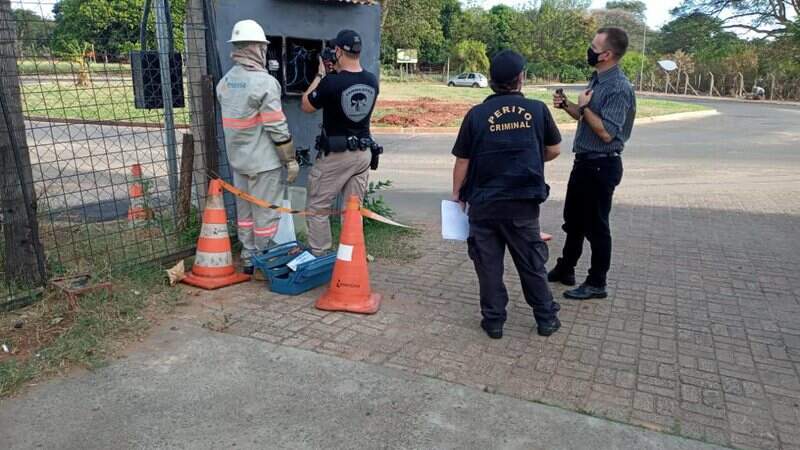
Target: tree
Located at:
point(449, 15)
point(631, 65)
point(508, 29)
point(413, 24)
point(764, 17)
point(624, 19)
point(112, 26)
point(473, 24)
point(470, 56)
point(700, 35)
point(24, 257)
point(33, 31)
point(559, 36)
point(636, 8)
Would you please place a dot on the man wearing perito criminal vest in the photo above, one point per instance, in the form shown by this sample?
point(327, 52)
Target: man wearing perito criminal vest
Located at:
point(499, 177)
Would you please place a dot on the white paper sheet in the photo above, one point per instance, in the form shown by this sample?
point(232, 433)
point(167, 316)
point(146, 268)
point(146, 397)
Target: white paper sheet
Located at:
point(455, 224)
point(304, 257)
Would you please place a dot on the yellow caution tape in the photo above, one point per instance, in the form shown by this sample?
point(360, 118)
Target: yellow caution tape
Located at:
point(265, 204)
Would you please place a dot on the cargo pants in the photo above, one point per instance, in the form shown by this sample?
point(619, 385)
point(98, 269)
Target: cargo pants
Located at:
point(257, 226)
point(346, 173)
point(487, 244)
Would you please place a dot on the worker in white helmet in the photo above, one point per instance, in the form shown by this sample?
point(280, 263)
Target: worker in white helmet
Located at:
point(257, 137)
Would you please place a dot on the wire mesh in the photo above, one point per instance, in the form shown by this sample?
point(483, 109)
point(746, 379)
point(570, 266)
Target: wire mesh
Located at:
point(98, 168)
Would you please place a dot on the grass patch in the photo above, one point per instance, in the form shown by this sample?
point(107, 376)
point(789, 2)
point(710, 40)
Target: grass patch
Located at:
point(51, 339)
point(385, 242)
point(104, 100)
point(30, 67)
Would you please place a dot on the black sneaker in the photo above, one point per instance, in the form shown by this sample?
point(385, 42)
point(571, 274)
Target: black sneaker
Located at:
point(549, 329)
point(562, 274)
point(586, 292)
point(247, 270)
point(493, 331)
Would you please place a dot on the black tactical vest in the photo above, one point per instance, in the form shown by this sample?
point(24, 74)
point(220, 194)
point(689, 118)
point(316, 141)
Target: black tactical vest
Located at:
point(506, 161)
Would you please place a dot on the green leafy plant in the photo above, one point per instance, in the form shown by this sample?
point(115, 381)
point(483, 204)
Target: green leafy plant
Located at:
point(374, 202)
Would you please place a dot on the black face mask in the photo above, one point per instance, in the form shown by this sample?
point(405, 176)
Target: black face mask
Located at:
point(592, 57)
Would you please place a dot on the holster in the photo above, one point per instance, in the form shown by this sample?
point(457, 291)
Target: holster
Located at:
point(376, 151)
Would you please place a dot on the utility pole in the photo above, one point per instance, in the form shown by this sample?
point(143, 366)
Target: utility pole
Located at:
point(165, 51)
point(644, 56)
point(24, 256)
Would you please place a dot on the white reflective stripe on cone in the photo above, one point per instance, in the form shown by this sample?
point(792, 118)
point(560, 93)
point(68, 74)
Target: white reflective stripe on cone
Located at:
point(214, 202)
point(214, 231)
point(137, 202)
point(205, 259)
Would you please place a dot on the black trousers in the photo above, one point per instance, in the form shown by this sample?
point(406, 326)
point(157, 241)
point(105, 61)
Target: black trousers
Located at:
point(487, 244)
point(586, 210)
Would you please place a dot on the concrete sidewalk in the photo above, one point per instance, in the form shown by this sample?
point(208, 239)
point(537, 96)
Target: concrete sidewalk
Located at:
point(191, 388)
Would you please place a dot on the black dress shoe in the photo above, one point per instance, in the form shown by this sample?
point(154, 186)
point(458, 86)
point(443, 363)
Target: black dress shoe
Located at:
point(493, 331)
point(586, 292)
point(562, 274)
point(547, 330)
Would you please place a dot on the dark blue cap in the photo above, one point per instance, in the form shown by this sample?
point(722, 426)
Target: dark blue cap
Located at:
point(348, 40)
point(506, 66)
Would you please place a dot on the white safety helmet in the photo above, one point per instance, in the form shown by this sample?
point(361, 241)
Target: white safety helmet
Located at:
point(248, 31)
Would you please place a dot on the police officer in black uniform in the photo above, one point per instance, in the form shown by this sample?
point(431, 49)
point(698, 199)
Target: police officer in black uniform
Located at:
point(346, 150)
point(499, 177)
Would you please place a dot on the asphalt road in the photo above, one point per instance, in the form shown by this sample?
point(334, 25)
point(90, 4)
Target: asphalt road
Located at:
point(748, 153)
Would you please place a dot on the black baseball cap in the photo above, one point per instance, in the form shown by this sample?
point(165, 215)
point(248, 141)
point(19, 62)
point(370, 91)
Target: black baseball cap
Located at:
point(348, 40)
point(506, 66)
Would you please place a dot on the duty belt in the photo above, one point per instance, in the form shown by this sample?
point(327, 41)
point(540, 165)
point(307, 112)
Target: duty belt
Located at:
point(339, 144)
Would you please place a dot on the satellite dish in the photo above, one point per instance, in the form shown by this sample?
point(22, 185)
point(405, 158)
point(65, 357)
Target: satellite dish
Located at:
point(668, 65)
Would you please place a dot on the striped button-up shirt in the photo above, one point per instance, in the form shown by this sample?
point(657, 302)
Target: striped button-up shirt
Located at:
point(614, 101)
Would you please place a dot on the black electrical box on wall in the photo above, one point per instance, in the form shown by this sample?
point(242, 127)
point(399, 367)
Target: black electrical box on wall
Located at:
point(146, 69)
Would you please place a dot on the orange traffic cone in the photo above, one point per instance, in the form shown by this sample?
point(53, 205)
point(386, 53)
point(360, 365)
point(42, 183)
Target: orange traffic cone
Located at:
point(138, 209)
point(213, 263)
point(349, 290)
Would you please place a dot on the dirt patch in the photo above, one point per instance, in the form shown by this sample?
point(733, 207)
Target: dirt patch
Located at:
point(422, 112)
point(26, 330)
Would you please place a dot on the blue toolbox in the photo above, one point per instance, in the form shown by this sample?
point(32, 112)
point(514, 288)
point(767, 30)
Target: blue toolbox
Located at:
point(283, 280)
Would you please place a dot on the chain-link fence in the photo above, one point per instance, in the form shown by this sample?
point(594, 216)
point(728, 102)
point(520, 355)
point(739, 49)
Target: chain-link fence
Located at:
point(97, 174)
point(723, 84)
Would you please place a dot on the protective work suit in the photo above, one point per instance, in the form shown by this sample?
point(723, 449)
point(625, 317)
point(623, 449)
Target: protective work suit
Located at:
point(257, 137)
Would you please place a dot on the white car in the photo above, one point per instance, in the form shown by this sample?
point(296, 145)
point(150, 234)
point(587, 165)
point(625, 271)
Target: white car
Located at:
point(469, 79)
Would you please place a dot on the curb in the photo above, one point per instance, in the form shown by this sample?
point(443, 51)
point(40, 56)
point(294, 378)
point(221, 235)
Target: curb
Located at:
point(568, 127)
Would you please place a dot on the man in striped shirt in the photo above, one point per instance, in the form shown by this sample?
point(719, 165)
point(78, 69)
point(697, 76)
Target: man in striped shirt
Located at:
point(257, 138)
point(605, 112)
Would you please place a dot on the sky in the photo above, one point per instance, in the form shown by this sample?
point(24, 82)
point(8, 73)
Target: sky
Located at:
point(657, 10)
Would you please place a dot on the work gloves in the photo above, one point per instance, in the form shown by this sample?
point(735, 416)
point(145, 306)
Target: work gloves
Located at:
point(287, 156)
